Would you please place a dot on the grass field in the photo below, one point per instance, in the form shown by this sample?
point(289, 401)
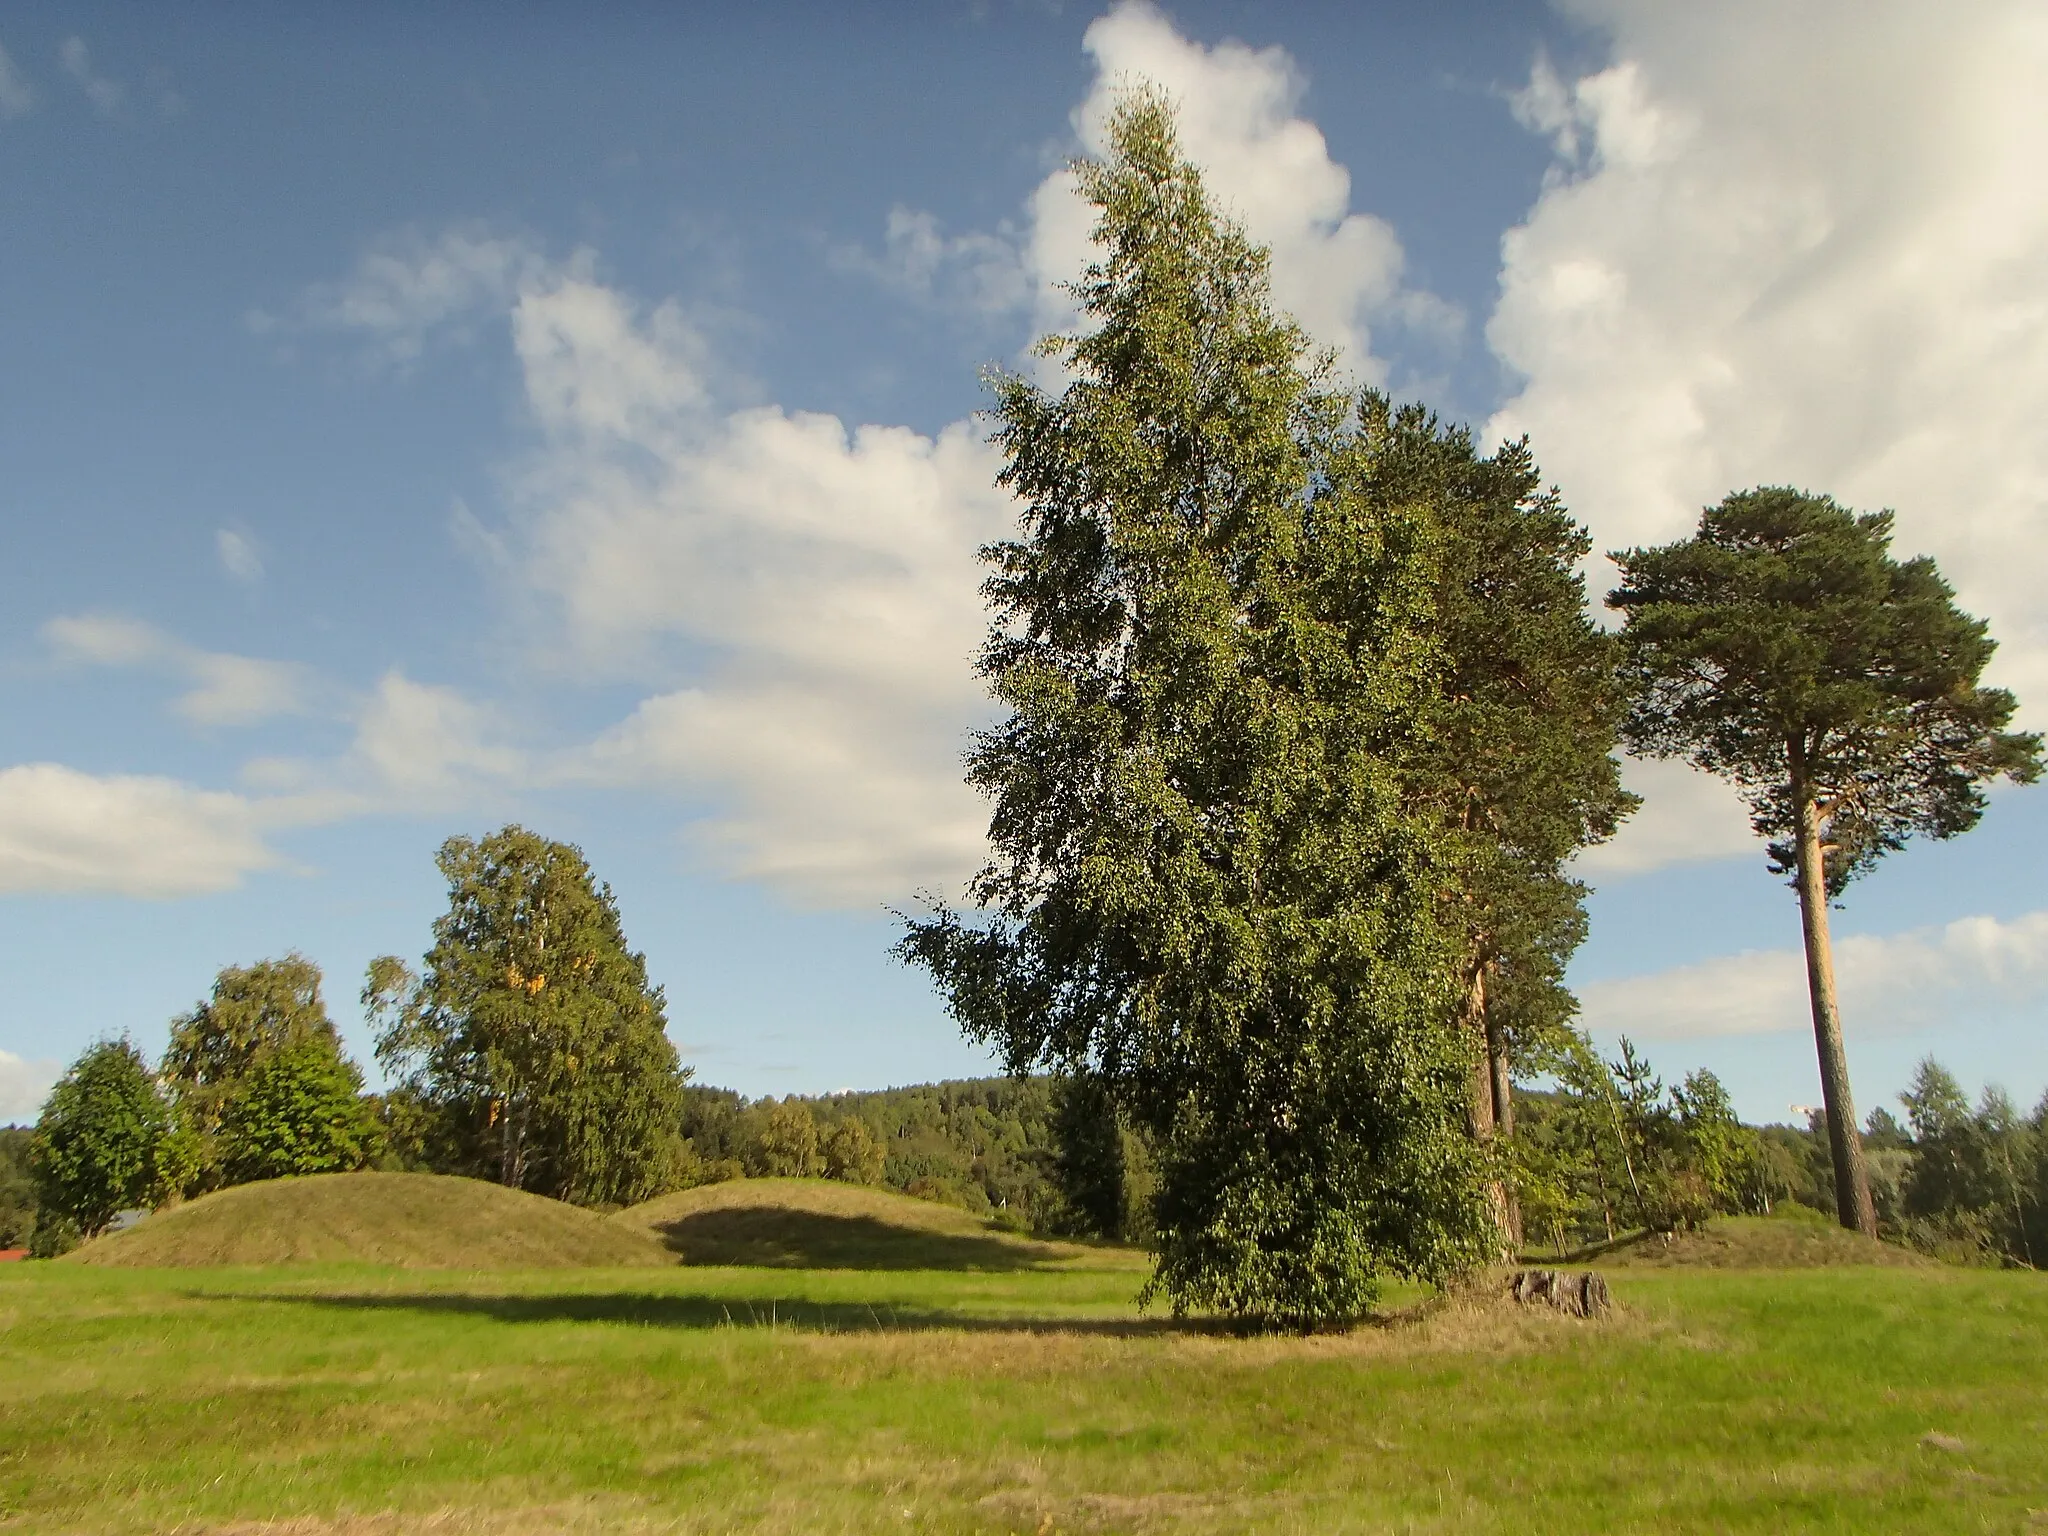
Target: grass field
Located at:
point(1015, 1391)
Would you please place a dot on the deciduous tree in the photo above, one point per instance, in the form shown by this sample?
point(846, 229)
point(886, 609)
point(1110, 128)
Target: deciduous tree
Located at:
point(95, 1148)
point(532, 1029)
point(1208, 889)
point(1783, 648)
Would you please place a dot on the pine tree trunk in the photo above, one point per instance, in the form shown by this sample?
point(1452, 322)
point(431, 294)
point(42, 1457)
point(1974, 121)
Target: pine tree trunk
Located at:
point(1479, 1113)
point(1852, 1179)
point(1501, 1085)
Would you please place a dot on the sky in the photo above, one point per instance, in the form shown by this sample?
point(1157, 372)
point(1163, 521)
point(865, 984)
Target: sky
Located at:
point(414, 420)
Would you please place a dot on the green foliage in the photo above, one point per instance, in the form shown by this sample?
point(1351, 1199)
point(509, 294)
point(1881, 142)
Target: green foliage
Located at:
point(853, 1154)
point(17, 1187)
point(1207, 889)
point(299, 1110)
point(532, 1037)
point(1973, 1189)
point(1784, 649)
point(1088, 1156)
point(95, 1148)
point(1518, 767)
point(1613, 1149)
point(253, 1013)
point(789, 1141)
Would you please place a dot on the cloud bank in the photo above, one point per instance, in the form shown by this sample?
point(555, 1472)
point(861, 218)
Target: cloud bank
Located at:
point(1891, 985)
point(1799, 244)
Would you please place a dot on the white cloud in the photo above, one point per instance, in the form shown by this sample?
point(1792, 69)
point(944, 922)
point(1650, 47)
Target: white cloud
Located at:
point(1687, 817)
point(225, 689)
point(23, 1087)
point(66, 831)
point(238, 555)
point(977, 271)
point(105, 94)
point(17, 96)
point(823, 580)
point(1892, 984)
point(1799, 245)
point(408, 286)
point(1336, 271)
point(420, 742)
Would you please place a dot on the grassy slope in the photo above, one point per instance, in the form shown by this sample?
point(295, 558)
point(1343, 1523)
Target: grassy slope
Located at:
point(816, 1224)
point(351, 1399)
point(1793, 1238)
point(412, 1220)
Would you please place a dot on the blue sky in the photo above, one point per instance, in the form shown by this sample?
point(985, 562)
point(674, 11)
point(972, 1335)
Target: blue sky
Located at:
point(413, 420)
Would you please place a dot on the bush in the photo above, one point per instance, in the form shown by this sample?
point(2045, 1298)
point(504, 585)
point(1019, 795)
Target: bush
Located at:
point(54, 1237)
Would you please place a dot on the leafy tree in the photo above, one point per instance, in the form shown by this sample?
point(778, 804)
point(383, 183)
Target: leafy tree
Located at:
point(1518, 765)
point(298, 1110)
point(17, 1187)
point(1970, 1187)
point(1207, 888)
point(789, 1142)
point(1784, 649)
point(1088, 1156)
point(253, 1011)
point(95, 1146)
point(853, 1154)
point(532, 1033)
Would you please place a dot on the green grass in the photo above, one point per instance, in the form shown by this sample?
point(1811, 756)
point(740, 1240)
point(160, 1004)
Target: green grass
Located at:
point(410, 1220)
point(331, 1399)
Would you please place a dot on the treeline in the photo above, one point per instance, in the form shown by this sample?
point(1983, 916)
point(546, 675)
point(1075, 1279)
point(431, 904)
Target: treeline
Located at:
point(1611, 1149)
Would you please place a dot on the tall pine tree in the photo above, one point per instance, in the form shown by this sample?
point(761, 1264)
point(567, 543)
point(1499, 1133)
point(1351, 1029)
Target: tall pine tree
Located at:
point(1782, 647)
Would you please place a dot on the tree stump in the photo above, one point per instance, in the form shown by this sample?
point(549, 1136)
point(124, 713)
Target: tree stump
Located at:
point(1581, 1295)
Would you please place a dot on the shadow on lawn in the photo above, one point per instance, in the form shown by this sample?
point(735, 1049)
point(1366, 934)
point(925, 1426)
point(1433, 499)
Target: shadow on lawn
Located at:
point(653, 1310)
point(780, 1238)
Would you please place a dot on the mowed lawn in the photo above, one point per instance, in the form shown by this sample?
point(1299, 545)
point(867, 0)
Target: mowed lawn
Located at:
point(1033, 1399)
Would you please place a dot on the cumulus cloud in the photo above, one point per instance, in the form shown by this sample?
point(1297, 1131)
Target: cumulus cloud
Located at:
point(1894, 984)
point(23, 1087)
point(66, 831)
point(17, 96)
point(823, 580)
point(1687, 817)
point(1336, 271)
point(105, 94)
point(224, 689)
point(1799, 245)
point(809, 587)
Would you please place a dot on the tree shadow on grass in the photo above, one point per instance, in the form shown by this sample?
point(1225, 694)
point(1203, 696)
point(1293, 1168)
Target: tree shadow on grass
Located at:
point(781, 1238)
point(660, 1310)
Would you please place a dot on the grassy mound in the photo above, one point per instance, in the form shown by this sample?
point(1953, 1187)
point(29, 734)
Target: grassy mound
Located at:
point(413, 1220)
point(821, 1224)
point(1793, 1238)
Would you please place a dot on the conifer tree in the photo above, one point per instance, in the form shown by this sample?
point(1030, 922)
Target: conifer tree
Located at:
point(1518, 763)
point(1782, 647)
point(1208, 890)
